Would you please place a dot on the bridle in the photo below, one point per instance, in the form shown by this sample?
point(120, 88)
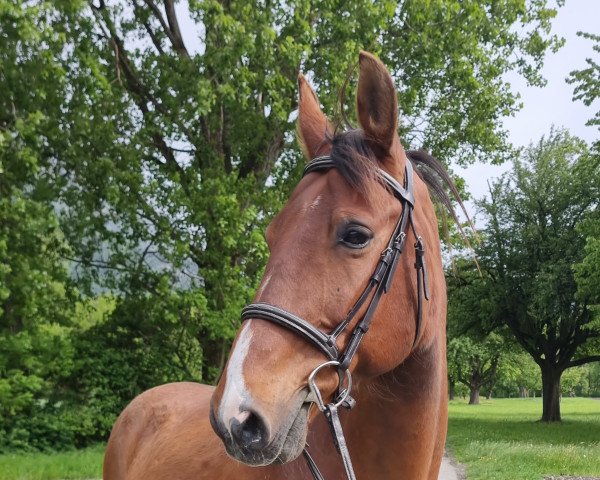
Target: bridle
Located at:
point(379, 284)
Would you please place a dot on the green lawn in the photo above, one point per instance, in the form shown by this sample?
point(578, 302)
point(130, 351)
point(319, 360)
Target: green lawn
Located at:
point(81, 464)
point(497, 440)
point(502, 439)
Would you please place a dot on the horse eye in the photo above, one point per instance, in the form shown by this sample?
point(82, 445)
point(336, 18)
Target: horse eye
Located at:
point(356, 237)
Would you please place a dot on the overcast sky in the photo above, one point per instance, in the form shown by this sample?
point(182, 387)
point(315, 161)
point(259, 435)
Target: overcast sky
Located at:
point(552, 104)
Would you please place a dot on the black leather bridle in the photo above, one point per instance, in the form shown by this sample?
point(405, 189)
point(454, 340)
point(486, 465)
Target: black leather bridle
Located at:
point(378, 285)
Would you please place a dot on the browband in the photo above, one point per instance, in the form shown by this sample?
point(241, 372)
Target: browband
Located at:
point(325, 163)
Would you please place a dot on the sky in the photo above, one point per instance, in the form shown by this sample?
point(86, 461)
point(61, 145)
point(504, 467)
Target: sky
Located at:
point(552, 104)
point(542, 107)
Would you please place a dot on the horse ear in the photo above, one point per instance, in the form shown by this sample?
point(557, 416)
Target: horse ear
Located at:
point(313, 127)
point(376, 102)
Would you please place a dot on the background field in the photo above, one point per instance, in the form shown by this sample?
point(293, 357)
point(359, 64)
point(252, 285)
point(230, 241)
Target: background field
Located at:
point(81, 464)
point(497, 440)
point(502, 440)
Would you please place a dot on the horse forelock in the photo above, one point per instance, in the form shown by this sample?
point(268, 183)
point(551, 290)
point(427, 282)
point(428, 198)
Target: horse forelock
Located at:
point(356, 162)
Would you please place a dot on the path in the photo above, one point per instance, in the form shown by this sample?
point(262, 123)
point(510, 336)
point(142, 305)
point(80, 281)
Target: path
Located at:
point(449, 471)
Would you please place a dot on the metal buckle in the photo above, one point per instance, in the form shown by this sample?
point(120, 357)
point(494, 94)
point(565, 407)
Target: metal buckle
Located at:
point(343, 394)
point(399, 241)
point(386, 252)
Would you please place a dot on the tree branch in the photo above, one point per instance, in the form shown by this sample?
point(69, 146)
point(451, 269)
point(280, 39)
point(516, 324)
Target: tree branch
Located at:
point(168, 32)
point(174, 25)
point(155, 40)
point(142, 97)
point(96, 264)
point(583, 361)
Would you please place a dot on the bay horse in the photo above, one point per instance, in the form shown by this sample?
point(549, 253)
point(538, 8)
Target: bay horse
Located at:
point(341, 243)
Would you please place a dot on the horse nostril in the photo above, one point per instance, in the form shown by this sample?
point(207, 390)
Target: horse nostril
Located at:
point(250, 433)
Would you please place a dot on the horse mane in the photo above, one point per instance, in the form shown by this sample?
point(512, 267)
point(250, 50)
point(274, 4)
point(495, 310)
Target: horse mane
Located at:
point(438, 181)
point(356, 161)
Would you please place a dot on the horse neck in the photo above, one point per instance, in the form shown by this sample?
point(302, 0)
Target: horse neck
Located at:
point(399, 422)
point(404, 411)
point(414, 382)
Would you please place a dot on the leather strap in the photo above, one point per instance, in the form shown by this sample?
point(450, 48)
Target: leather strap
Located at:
point(402, 193)
point(333, 418)
point(312, 466)
point(303, 328)
point(379, 284)
point(422, 288)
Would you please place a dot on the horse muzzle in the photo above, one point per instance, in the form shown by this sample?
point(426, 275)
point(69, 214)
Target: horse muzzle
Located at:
point(251, 438)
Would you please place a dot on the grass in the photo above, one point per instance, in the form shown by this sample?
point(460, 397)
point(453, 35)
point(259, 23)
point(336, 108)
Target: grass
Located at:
point(497, 440)
point(80, 464)
point(503, 440)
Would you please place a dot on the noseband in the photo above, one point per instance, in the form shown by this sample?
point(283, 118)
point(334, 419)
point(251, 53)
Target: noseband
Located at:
point(379, 284)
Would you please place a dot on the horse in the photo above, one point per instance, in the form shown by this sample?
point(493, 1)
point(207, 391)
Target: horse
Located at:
point(342, 243)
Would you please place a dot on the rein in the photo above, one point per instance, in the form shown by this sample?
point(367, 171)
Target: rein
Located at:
point(379, 284)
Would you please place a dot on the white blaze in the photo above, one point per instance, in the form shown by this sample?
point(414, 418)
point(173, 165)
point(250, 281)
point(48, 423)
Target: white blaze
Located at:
point(315, 203)
point(235, 387)
point(264, 285)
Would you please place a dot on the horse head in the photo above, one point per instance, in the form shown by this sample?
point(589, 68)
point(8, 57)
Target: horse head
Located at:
point(325, 246)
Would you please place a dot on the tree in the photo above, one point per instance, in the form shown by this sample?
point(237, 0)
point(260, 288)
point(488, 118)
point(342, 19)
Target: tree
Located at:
point(587, 90)
point(519, 374)
point(37, 298)
point(587, 271)
point(134, 345)
point(475, 351)
point(594, 379)
point(530, 248)
point(587, 81)
point(170, 157)
point(475, 363)
point(575, 382)
point(157, 155)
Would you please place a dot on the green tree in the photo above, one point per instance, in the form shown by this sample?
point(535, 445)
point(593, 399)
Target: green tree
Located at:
point(575, 382)
point(530, 248)
point(587, 272)
point(587, 90)
point(475, 351)
point(475, 362)
point(587, 81)
point(170, 152)
point(518, 374)
point(134, 345)
point(594, 379)
point(36, 296)
point(162, 152)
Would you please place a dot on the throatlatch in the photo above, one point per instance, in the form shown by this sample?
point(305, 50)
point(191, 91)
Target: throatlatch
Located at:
point(379, 284)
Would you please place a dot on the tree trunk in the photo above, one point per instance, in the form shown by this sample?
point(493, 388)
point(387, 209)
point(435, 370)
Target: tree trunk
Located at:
point(523, 392)
point(492, 385)
point(551, 393)
point(214, 356)
point(451, 389)
point(474, 398)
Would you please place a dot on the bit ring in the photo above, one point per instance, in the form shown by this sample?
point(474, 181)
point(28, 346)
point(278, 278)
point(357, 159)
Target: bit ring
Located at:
point(345, 377)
